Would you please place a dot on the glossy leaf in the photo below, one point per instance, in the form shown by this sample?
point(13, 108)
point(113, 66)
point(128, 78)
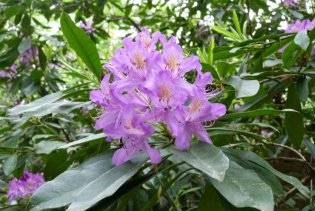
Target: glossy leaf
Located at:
point(83, 140)
point(206, 158)
point(294, 121)
point(251, 190)
point(10, 164)
point(46, 147)
point(82, 44)
point(302, 89)
point(255, 113)
point(85, 185)
point(244, 88)
point(210, 200)
point(302, 39)
point(247, 156)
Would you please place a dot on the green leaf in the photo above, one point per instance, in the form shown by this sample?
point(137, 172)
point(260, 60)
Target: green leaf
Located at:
point(81, 44)
point(294, 121)
point(310, 146)
point(42, 59)
point(237, 23)
point(10, 164)
point(83, 140)
point(251, 157)
point(290, 54)
point(210, 50)
point(84, 186)
point(210, 201)
point(56, 164)
point(272, 63)
point(46, 147)
point(33, 106)
point(244, 88)
point(24, 45)
point(302, 89)
point(243, 188)
point(302, 40)
point(26, 24)
point(12, 11)
point(225, 32)
point(205, 157)
point(255, 113)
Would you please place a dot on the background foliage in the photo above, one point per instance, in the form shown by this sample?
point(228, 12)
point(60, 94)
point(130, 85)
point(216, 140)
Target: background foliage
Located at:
point(264, 146)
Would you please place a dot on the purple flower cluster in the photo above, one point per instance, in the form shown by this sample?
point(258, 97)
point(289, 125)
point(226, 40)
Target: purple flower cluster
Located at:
point(146, 87)
point(87, 26)
point(290, 3)
point(25, 186)
point(300, 25)
point(29, 55)
point(11, 74)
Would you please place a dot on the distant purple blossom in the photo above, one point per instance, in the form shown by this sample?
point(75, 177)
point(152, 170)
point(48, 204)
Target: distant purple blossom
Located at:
point(25, 186)
point(300, 25)
point(290, 3)
point(87, 26)
point(266, 134)
point(297, 26)
point(10, 73)
point(147, 86)
point(29, 55)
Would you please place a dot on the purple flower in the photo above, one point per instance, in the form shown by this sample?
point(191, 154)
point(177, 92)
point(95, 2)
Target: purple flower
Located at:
point(87, 26)
point(29, 55)
point(297, 26)
point(11, 73)
point(25, 186)
point(290, 3)
point(300, 25)
point(266, 134)
point(147, 86)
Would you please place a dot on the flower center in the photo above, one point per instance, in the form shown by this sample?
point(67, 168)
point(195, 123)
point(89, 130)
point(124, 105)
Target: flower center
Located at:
point(165, 92)
point(195, 106)
point(139, 61)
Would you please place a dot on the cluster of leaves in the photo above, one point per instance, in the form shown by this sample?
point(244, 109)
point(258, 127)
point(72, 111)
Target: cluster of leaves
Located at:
point(263, 148)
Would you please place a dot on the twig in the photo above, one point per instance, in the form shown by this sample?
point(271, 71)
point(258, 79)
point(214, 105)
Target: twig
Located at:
point(286, 159)
point(293, 191)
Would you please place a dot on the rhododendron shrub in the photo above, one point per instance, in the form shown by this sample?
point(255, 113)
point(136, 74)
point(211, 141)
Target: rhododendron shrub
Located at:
point(157, 105)
point(146, 85)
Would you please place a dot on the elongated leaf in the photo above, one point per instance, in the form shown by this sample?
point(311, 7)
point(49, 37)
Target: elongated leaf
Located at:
point(255, 113)
point(225, 32)
point(83, 140)
point(24, 45)
point(82, 44)
point(12, 11)
point(35, 104)
point(247, 156)
point(46, 147)
point(310, 146)
point(243, 188)
point(290, 54)
point(294, 121)
point(84, 186)
point(237, 23)
point(205, 157)
point(244, 88)
point(10, 164)
point(302, 39)
point(302, 89)
point(210, 200)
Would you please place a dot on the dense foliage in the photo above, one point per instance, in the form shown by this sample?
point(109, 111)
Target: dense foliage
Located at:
point(157, 105)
